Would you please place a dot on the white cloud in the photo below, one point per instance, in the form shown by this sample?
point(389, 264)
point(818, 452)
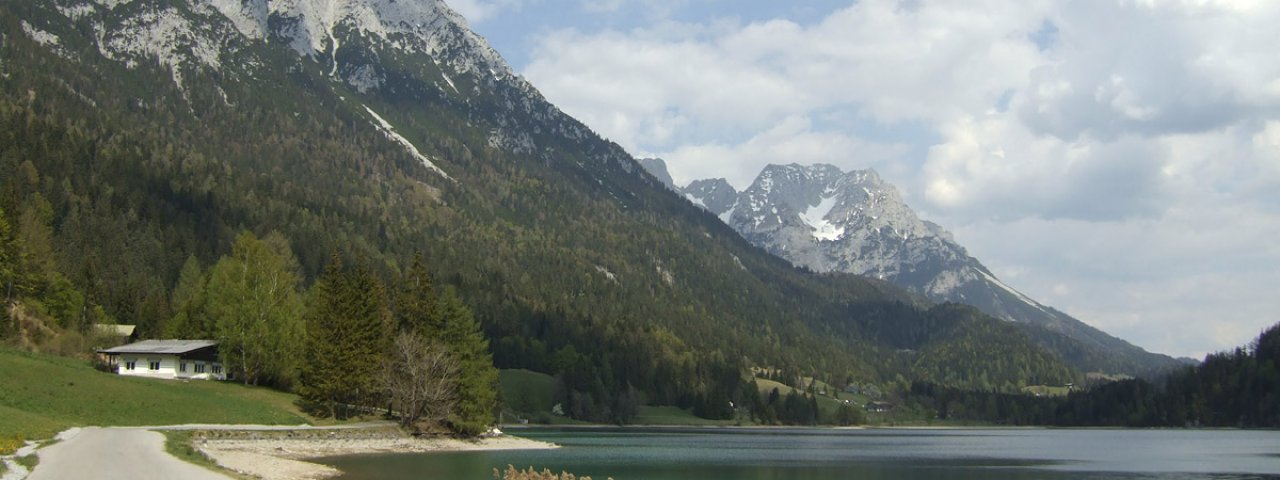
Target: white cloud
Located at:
point(994, 167)
point(1154, 69)
point(477, 11)
point(1124, 167)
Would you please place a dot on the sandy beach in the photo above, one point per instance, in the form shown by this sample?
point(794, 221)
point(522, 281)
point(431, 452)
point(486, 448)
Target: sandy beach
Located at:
point(284, 455)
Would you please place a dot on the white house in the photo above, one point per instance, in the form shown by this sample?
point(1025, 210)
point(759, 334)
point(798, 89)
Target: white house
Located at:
point(171, 359)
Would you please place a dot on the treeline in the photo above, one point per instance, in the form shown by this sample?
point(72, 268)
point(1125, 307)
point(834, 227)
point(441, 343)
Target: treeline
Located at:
point(347, 345)
point(1240, 388)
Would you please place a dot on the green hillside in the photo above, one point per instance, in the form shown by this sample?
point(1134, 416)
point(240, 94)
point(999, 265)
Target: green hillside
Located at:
point(575, 261)
point(41, 395)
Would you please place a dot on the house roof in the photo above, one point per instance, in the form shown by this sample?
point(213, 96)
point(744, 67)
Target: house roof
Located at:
point(118, 330)
point(173, 347)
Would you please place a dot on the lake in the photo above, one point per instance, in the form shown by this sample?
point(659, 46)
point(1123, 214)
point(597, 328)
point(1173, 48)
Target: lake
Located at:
point(824, 454)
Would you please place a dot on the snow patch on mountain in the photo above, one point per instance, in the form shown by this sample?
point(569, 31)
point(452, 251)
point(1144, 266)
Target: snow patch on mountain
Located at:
point(728, 214)
point(390, 131)
point(449, 81)
point(695, 200)
point(816, 217)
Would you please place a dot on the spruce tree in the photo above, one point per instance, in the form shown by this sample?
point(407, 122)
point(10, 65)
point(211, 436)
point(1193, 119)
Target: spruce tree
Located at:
point(190, 319)
point(348, 330)
point(415, 301)
point(324, 377)
point(478, 382)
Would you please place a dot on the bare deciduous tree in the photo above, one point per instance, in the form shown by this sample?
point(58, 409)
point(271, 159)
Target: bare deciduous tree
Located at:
point(421, 378)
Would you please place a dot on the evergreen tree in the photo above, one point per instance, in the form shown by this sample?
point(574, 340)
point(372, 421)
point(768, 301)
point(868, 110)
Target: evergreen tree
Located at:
point(415, 301)
point(348, 330)
point(478, 382)
point(190, 319)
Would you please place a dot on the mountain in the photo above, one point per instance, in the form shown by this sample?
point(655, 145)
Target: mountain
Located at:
point(826, 220)
point(716, 195)
point(135, 135)
point(658, 168)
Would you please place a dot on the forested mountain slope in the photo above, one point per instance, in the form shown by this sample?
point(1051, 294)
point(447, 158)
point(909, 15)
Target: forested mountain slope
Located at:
point(825, 219)
point(134, 134)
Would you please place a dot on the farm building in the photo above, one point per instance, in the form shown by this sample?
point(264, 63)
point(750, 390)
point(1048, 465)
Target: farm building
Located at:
point(174, 359)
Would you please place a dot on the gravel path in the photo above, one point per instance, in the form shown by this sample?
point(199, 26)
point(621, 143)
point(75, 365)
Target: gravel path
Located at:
point(266, 451)
point(115, 453)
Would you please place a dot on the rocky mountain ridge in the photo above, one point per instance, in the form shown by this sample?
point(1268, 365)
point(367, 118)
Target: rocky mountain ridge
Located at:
point(826, 220)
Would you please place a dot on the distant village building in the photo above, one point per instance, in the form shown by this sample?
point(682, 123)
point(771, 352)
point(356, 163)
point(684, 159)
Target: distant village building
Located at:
point(878, 407)
point(172, 359)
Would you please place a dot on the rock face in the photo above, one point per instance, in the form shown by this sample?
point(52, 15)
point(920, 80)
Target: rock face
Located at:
point(823, 219)
point(713, 194)
point(658, 168)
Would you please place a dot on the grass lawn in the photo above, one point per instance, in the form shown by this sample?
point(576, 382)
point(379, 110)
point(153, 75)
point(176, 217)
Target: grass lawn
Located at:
point(676, 416)
point(826, 405)
point(528, 395)
point(1046, 391)
point(41, 395)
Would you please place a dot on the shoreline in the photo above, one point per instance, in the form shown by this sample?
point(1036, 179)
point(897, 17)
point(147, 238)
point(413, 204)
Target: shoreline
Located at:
point(291, 454)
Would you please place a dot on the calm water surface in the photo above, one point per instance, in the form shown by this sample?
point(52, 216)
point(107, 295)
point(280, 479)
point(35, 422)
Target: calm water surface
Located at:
point(815, 454)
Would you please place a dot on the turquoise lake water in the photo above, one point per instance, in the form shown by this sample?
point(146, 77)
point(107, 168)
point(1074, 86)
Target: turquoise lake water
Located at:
point(820, 454)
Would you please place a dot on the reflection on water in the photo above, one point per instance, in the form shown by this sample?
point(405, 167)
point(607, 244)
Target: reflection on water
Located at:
point(794, 454)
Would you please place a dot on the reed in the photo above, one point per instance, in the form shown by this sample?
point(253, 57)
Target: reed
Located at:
point(512, 473)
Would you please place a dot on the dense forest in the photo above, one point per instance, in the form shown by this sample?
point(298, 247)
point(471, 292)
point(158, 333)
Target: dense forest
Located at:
point(133, 195)
point(1240, 388)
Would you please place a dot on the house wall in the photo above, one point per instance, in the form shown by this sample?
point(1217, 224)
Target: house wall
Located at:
point(170, 367)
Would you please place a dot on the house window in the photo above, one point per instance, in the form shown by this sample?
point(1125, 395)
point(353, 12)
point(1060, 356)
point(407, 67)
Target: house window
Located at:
point(129, 365)
point(217, 369)
point(153, 364)
point(182, 367)
point(199, 368)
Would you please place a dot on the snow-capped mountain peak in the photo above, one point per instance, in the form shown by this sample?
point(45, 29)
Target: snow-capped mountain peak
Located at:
point(821, 218)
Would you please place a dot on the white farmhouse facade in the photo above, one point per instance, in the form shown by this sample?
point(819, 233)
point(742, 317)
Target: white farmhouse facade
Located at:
point(172, 359)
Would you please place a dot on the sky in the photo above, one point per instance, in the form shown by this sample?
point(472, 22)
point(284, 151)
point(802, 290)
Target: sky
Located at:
point(1116, 159)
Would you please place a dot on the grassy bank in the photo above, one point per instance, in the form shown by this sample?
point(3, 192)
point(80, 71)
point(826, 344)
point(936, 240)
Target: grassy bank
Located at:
point(179, 444)
point(41, 395)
